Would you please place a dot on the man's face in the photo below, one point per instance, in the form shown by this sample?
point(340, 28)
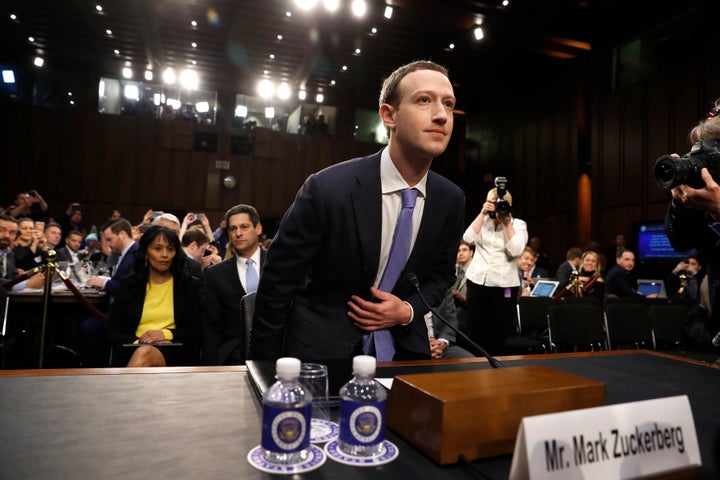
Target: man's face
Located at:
point(114, 240)
point(464, 254)
point(620, 240)
point(423, 121)
point(243, 235)
point(526, 261)
point(693, 266)
point(22, 199)
point(52, 236)
point(8, 232)
point(196, 251)
point(627, 261)
point(73, 242)
point(76, 217)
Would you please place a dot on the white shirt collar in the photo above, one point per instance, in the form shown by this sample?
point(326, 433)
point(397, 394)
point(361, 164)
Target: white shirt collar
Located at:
point(391, 179)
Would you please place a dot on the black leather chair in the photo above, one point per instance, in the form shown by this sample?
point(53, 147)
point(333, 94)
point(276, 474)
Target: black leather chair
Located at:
point(668, 321)
point(577, 326)
point(628, 324)
point(532, 326)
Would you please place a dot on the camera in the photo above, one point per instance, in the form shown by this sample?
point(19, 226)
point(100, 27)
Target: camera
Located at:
point(502, 207)
point(207, 252)
point(671, 171)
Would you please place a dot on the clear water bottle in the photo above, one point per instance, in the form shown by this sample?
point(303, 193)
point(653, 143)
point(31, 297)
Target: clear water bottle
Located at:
point(287, 408)
point(362, 411)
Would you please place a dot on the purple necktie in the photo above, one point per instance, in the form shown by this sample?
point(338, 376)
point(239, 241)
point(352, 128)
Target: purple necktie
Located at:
point(399, 252)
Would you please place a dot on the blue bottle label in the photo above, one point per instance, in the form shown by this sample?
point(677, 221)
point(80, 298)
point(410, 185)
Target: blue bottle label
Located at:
point(362, 423)
point(286, 430)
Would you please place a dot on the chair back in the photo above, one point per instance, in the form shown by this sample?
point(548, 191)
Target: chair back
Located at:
point(628, 325)
point(248, 310)
point(532, 314)
point(577, 326)
point(667, 322)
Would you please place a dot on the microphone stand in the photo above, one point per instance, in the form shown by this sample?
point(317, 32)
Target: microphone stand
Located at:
point(50, 268)
point(494, 362)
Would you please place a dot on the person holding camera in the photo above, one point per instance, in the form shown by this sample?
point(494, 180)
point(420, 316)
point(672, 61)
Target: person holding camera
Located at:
point(692, 220)
point(492, 278)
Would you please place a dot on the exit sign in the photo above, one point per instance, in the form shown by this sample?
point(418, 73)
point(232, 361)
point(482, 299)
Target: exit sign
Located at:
point(222, 164)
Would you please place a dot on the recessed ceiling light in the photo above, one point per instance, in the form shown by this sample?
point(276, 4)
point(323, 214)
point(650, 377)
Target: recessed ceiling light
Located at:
point(358, 51)
point(451, 46)
point(193, 44)
point(13, 17)
point(39, 61)
point(272, 56)
point(332, 82)
point(373, 30)
point(108, 31)
point(31, 39)
point(116, 51)
point(344, 68)
point(193, 23)
point(279, 37)
point(194, 62)
point(98, 8)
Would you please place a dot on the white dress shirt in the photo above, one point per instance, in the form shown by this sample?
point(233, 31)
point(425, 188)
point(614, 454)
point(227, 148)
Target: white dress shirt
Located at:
point(494, 263)
point(242, 267)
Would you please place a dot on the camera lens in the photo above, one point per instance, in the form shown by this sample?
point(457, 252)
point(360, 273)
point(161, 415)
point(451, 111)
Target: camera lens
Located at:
point(665, 172)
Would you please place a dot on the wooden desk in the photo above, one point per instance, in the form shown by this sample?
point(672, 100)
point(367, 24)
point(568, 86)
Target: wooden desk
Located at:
point(58, 296)
point(201, 422)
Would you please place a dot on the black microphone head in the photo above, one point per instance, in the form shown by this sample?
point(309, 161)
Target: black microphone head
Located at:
point(412, 278)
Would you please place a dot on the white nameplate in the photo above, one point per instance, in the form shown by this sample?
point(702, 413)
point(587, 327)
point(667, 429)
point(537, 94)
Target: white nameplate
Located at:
point(627, 440)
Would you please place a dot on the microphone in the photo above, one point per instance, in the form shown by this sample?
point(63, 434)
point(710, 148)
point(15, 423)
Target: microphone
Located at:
point(494, 362)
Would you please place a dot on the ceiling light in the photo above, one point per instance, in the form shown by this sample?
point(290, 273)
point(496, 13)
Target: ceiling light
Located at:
point(344, 68)
point(194, 62)
point(373, 30)
point(505, 3)
point(116, 51)
point(331, 5)
point(388, 12)
point(127, 72)
point(69, 94)
point(108, 31)
point(98, 8)
point(241, 111)
point(39, 61)
point(451, 46)
point(13, 17)
point(288, 13)
point(169, 76)
point(359, 7)
point(31, 39)
point(193, 44)
point(319, 98)
point(283, 91)
point(266, 89)
point(156, 99)
point(357, 51)
point(193, 23)
point(332, 82)
point(279, 37)
point(302, 94)
point(269, 112)
point(202, 107)
point(8, 76)
point(148, 75)
point(189, 78)
point(478, 33)
point(272, 56)
point(305, 4)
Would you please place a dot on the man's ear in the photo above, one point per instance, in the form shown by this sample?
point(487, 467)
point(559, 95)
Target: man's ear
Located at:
point(258, 228)
point(387, 114)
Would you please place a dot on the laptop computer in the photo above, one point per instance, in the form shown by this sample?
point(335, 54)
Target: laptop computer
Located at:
point(652, 286)
point(544, 288)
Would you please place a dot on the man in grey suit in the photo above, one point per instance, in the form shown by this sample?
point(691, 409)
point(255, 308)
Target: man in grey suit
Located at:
point(226, 283)
point(318, 297)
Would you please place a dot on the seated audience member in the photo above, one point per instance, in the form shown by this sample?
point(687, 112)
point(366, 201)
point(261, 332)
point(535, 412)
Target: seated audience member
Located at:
point(529, 271)
point(29, 205)
point(8, 270)
point(620, 281)
point(195, 244)
point(115, 214)
point(157, 303)
point(226, 283)
point(541, 258)
point(119, 234)
point(570, 265)
point(683, 281)
point(442, 337)
point(588, 281)
point(196, 220)
point(53, 235)
point(168, 220)
point(92, 245)
point(69, 253)
point(71, 220)
point(28, 248)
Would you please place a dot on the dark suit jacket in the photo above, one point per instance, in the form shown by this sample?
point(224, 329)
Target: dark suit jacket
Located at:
point(126, 311)
point(223, 323)
point(328, 248)
point(121, 270)
point(63, 254)
point(563, 274)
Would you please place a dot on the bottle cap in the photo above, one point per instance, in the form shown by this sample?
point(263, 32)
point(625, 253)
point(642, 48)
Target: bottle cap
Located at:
point(364, 365)
point(287, 367)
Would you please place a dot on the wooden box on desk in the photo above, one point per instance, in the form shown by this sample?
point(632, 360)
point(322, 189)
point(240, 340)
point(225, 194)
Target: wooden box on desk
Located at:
point(477, 413)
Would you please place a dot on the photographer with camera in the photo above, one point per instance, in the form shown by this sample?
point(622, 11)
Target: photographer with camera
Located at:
point(693, 216)
point(492, 278)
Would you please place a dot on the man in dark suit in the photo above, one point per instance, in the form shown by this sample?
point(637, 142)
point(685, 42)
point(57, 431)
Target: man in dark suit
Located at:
point(570, 265)
point(69, 253)
point(119, 234)
point(226, 283)
point(94, 346)
point(318, 297)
